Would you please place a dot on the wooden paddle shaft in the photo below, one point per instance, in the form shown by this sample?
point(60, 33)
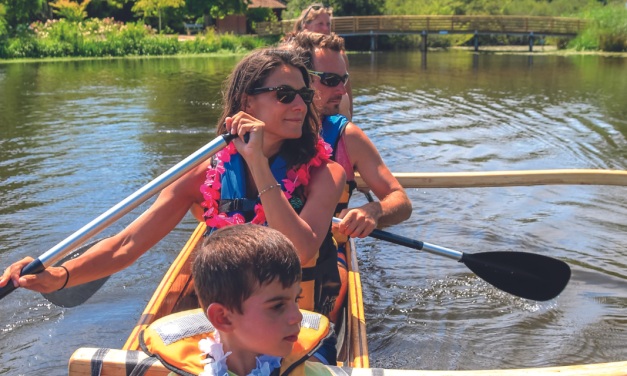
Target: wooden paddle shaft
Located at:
point(506, 178)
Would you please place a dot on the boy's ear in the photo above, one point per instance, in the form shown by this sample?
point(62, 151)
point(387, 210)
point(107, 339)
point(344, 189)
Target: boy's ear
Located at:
point(220, 317)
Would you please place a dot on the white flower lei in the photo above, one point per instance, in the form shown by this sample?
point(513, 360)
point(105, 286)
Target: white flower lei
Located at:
point(215, 362)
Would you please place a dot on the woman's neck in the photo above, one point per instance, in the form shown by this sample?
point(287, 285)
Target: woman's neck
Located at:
point(271, 145)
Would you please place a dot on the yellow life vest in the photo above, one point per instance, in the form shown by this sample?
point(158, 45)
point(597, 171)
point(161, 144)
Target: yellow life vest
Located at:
point(174, 341)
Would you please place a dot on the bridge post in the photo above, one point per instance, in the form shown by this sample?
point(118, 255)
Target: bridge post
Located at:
point(476, 41)
point(371, 41)
point(423, 47)
point(531, 42)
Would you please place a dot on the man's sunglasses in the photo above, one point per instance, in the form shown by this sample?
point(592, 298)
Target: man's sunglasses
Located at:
point(330, 79)
point(287, 94)
point(314, 7)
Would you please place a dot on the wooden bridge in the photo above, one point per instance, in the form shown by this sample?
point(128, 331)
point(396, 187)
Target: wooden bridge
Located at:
point(425, 25)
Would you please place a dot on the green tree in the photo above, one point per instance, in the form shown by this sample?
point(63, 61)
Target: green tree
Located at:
point(74, 12)
point(3, 22)
point(24, 11)
point(216, 8)
point(151, 7)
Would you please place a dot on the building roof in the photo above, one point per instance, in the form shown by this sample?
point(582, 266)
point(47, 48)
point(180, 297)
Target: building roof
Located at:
point(267, 4)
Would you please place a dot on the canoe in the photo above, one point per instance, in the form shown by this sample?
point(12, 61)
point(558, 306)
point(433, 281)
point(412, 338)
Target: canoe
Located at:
point(176, 293)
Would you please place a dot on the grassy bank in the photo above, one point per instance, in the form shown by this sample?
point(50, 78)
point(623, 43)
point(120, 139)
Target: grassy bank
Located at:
point(108, 38)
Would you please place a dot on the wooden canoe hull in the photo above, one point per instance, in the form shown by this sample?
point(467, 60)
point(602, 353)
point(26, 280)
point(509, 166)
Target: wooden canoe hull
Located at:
point(175, 293)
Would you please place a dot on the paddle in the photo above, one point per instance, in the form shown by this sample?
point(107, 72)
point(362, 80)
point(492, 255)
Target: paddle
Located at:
point(56, 254)
point(526, 275)
point(76, 295)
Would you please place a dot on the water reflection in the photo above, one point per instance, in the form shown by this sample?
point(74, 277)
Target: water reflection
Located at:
point(77, 137)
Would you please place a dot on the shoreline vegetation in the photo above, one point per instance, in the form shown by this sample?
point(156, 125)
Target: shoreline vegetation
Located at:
point(489, 50)
point(74, 36)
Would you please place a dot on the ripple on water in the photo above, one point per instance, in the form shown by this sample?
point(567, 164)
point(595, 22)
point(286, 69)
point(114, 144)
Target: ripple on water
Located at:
point(78, 137)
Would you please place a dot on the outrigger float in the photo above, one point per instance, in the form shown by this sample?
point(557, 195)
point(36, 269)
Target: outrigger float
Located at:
point(175, 293)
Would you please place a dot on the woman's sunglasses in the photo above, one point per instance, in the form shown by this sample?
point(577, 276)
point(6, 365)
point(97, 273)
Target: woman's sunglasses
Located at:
point(330, 79)
point(287, 94)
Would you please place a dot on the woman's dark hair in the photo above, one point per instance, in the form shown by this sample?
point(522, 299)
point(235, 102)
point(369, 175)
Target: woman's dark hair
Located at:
point(251, 73)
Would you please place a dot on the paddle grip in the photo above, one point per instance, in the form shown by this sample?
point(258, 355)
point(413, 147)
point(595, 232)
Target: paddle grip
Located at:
point(230, 137)
point(397, 239)
point(34, 267)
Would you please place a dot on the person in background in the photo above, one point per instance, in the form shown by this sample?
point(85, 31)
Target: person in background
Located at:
point(317, 19)
point(352, 149)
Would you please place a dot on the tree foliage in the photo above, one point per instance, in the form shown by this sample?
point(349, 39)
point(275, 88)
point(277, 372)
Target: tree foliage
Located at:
point(22, 11)
point(3, 22)
point(216, 8)
point(153, 7)
point(73, 11)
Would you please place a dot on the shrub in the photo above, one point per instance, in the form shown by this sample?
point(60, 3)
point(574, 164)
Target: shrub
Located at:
point(107, 37)
point(613, 42)
point(606, 30)
point(73, 12)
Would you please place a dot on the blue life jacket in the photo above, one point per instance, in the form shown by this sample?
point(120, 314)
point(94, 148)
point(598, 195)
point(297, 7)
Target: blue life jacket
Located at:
point(333, 128)
point(321, 278)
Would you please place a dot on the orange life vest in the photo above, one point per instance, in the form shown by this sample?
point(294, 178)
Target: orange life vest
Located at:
point(173, 340)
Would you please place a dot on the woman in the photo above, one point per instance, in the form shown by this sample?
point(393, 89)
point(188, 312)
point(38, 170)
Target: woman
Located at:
point(283, 170)
point(317, 19)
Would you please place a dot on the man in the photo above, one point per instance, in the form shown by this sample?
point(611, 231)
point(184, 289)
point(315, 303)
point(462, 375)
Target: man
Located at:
point(351, 147)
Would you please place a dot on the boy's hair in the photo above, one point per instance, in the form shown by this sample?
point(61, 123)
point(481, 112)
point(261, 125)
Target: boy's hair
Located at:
point(308, 42)
point(236, 260)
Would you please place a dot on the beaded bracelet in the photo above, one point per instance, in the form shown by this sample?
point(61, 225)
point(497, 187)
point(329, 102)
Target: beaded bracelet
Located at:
point(267, 189)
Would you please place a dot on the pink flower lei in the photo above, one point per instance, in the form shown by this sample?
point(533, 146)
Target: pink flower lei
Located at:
point(210, 189)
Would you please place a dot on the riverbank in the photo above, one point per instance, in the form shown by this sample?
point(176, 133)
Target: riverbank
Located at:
point(496, 50)
point(537, 50)
point(222, 53)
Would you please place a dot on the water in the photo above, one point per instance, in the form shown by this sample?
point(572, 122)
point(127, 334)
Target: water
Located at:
point(78, 137)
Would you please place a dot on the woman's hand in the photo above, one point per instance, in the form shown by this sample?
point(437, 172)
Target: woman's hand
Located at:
point(49, 280)
point(243, 123)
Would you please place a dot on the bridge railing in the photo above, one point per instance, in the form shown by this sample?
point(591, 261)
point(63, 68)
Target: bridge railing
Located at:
point(557, 26)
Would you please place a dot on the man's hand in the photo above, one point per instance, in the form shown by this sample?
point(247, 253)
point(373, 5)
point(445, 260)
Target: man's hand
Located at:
point(359, 222)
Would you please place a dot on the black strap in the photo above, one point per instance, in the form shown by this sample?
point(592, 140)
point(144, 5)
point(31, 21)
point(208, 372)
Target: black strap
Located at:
point(143, 366)
point(309, 274)
point(237, 205)
point(97, 360)
point(132, 359)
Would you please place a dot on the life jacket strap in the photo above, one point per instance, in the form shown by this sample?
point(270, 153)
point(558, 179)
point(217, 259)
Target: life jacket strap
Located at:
point(242, 205)
point(142, 367)
point(309, 274)
point(96, 361)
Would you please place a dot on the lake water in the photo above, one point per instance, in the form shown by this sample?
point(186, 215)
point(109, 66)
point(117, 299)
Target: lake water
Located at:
point(78, 137)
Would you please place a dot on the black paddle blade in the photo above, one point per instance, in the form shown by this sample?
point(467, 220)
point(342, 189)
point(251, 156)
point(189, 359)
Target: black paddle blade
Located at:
point(74, 296)
point(527, 275)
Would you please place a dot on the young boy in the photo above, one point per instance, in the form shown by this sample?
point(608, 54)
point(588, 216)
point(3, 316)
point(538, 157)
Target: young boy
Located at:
point(247, 278)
